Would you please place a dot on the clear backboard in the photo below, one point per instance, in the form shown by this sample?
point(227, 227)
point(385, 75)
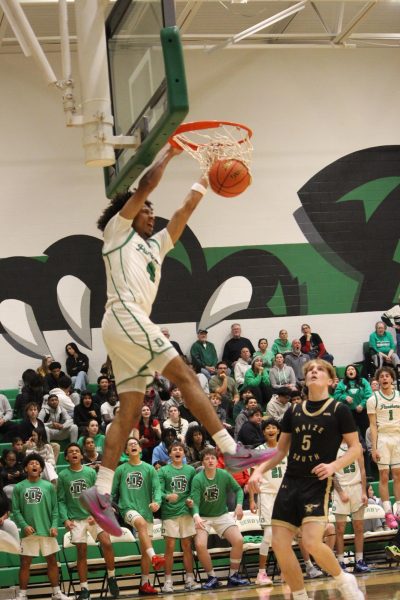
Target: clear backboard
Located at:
point(148, 83)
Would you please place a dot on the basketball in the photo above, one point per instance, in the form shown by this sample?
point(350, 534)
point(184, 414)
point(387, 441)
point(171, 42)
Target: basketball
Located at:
point(229, 177)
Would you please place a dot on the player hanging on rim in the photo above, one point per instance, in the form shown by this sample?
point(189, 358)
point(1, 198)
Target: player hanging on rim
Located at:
point(137, 348)
point(311, 433)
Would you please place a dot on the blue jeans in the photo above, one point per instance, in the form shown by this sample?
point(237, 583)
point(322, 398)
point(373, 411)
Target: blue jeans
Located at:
point(80, 381)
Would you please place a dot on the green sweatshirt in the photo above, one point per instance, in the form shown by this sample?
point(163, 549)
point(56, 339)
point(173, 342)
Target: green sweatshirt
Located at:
point(204, 355)
point(382, 343)
point(135, 487)
point(252, 380)
point(359, 392)
point(175, 480)
point(34, 504)
point(99, 441)
point(281, 347)
point(209, 495)
point(70, 485)
point(268, 357)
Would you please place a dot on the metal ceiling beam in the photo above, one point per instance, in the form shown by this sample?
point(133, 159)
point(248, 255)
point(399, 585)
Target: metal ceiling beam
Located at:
point(341, 38)
point(188, 13)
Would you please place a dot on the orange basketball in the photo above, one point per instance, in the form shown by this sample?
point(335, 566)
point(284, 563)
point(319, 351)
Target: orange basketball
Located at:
point(229, 177)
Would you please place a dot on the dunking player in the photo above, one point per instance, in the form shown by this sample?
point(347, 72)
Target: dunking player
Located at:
point(137, 348)
point(311, 433)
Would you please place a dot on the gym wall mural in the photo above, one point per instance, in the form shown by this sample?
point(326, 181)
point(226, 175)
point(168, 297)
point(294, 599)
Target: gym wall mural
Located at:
point(349, 215)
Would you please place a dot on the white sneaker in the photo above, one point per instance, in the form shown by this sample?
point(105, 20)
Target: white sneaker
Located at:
point(349, 589)
point(167, 587)
point(59, 596)
point(191, 585)
point(313, 572)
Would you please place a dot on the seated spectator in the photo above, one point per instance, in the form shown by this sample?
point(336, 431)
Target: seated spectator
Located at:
point(175, 399)
point(296, 397)
point(242, 365)
point(92, 430)
point(250, 433)
point(51, 380)
point(7, 429)
point(32, 391)
point(58, 423)
point(44, 370)
point(282, 345)
point(31, 422)
point(68, 400)
point(107, 409)
point(233, 346)
point(161, 385)
point(91, 457)
point(215, 400)
point(11, 472)
point(312, 344)
point(165, 331)
point(203, 380)
point(279, 404)
point(153, 401)
point(225, 386)
point(38, 444)
point(245, 392)
point(249, 404)
point(85, 411)
point(383, 348)
point(257, 379)
point(176, 422)
point(391, 318)
point(354, 391)
point(266, 354)
point(204, 354)
point(107, 370)
point(17, 445)
point(148, 432)
point(374, 524)
point(195, 441)
point(77, 366)
point(281, 375)
point(104, 390)
point(296, 359)
point(160, 453)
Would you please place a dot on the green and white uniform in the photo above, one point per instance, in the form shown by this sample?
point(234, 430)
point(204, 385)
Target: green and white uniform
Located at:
point(209, 499)
point(35, 504)
point(269, 487)
point(134, 488)
point(387, 411)
point(136, 346)
point(176, 516)
point(349, 479)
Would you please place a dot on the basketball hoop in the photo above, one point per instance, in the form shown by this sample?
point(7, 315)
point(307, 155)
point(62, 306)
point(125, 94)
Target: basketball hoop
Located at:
point(209, 141)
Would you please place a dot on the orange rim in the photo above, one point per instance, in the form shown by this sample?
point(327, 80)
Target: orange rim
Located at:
point(198, 125)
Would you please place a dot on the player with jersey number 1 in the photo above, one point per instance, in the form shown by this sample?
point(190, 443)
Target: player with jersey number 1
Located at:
point(383, 409)
point(311, 434)
point(133, 256)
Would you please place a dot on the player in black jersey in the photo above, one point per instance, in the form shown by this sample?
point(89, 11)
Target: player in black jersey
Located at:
point(311, 435)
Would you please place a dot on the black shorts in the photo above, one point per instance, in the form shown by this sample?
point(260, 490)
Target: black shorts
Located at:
point(300, 500)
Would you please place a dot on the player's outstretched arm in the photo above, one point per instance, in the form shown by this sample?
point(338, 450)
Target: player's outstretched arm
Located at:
point(148, 182)
point(180, 218)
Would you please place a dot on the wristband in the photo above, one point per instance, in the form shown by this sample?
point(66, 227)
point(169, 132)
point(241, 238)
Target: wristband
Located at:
point(197, 187)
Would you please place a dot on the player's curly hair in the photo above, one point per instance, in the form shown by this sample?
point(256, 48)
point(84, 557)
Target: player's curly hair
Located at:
point(115, 206)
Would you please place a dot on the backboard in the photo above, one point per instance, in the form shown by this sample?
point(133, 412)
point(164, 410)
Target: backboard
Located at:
point(148, 83)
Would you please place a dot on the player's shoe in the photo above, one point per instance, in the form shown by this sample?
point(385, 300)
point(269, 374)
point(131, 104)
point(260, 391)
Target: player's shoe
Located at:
point(313, 572)
point(349, 588)
point(391, 521)
point(167, 587)
point(361, 567)
point(392, 553)
point(343, 566)
point(247, 457)
point(146, 589)
point(99, 506)
point(59, 596)
point(212, 583)
point(236, 580)
point(191, 585)
point(158, 562)
point(84, 594)
point(113, 587)
point(263, 579)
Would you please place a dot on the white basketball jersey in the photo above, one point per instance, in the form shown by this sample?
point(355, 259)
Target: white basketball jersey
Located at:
point(387, 411)
point(272, 479)
point(348, 475)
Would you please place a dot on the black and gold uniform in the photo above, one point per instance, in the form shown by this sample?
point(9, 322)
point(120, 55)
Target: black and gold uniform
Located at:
point(317, 429)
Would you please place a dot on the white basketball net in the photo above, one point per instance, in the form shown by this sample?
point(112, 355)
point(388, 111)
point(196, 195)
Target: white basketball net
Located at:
point(223, 142)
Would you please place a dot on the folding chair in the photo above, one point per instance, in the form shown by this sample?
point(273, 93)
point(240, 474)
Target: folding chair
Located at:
point(95, 561)
point(249, 523)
